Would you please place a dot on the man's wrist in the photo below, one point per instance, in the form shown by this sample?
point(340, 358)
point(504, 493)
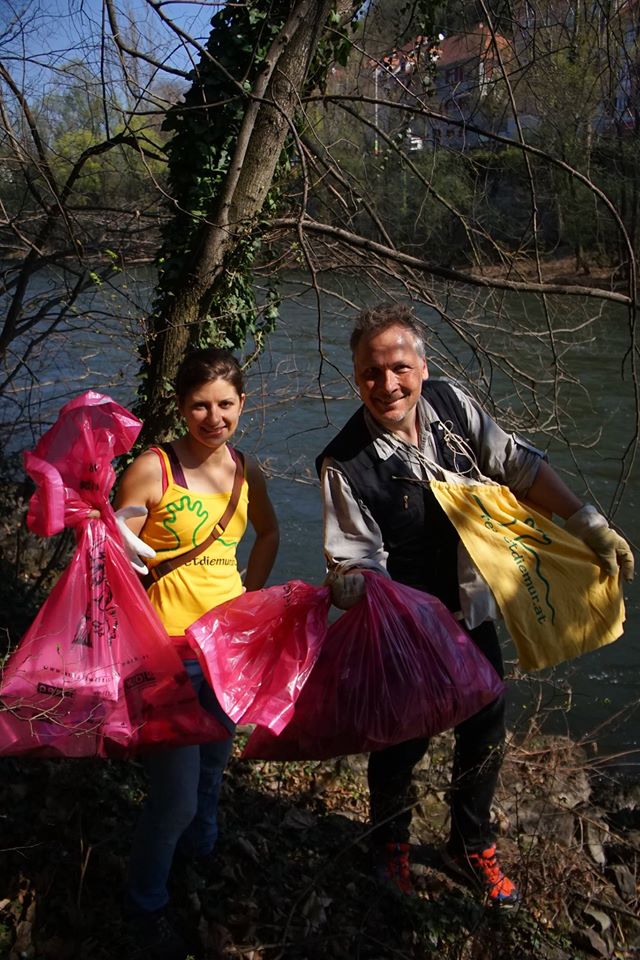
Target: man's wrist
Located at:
point(584, 520)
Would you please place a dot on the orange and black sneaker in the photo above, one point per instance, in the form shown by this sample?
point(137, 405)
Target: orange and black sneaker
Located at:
point(484, 870)
point(392, 867)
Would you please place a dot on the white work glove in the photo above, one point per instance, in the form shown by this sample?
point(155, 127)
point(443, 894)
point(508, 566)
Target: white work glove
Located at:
point(134, 546)
point(612, 550)
point(346, 589)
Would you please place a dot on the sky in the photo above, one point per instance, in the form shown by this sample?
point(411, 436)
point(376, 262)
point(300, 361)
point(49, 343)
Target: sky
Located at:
point(37, 37)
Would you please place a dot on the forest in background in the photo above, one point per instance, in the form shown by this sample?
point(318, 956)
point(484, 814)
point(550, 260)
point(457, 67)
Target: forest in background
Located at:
point(519, 153)
point(449, 153)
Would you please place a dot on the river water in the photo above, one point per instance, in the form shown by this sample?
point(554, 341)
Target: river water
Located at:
point(299, 394)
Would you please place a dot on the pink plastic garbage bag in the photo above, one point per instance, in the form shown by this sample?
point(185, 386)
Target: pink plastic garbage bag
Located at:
point(71, 464)
point(96, 673)
point(258, 649)
point(394, 667)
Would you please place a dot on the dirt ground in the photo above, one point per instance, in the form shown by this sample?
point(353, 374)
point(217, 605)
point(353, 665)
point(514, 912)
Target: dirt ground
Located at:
point(291, 877)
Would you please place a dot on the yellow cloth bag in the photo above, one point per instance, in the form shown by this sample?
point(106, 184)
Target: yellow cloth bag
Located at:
point(555, 600)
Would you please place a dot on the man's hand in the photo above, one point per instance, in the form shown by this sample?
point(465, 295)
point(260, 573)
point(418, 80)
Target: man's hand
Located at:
point(612, 550)
point(347, 589)
point(134, 546)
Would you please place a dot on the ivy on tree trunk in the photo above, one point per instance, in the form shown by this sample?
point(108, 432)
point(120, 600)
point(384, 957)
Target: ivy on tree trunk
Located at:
point(228, 139)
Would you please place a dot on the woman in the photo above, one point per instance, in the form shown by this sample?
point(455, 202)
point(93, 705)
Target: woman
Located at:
point(187, 489)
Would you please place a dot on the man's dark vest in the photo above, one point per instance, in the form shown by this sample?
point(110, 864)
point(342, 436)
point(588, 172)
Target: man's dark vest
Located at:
point(419, 537)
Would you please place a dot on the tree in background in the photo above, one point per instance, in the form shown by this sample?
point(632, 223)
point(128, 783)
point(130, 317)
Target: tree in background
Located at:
point(82, 176)
point(228, 137)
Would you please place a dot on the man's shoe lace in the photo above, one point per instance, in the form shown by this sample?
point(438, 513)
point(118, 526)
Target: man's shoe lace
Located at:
point(485, 869)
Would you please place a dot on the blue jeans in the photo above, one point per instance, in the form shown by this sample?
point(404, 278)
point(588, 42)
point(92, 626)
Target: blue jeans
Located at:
point(181, 806)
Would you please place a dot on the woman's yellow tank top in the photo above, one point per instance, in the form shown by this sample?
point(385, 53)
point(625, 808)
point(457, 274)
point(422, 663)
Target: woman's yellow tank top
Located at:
point(181, 520)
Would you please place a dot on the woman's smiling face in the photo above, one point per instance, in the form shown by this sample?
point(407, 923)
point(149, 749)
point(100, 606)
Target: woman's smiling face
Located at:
point(212, 411)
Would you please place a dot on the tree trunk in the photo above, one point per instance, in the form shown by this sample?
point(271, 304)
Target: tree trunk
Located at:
point(232, 214)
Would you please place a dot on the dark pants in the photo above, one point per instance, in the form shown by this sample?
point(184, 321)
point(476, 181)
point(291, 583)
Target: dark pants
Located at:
point(479, 744)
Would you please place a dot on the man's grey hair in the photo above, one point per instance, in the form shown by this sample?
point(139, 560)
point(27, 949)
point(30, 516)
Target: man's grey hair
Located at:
point(370, 322)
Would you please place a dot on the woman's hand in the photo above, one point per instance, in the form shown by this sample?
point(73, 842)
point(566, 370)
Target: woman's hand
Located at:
point(135, 547)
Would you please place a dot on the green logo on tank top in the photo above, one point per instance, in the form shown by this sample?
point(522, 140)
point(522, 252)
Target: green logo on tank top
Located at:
point(194, 507)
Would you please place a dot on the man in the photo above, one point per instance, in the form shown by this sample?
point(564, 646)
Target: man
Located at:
point(380, 515)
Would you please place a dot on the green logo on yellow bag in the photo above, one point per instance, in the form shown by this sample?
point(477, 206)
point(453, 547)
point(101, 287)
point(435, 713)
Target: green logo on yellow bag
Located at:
point(517, 544)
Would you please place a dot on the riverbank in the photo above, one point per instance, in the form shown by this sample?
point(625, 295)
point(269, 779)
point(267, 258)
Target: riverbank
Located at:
point(291, 879)
point(559, 270)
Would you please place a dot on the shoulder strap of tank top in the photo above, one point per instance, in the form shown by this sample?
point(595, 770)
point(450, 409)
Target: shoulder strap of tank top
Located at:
point(163, 467)
point(167, 566)
point(176, 466)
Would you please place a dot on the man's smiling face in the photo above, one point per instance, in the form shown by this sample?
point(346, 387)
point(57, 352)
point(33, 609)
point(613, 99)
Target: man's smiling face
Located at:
point(389, 373)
